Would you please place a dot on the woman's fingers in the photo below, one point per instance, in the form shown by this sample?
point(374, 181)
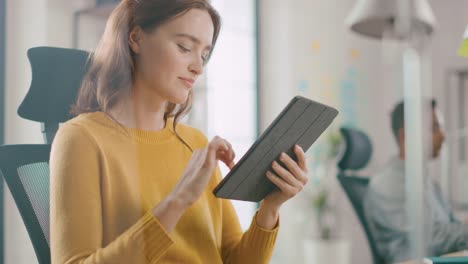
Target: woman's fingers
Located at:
point(231, 153)
point(288, 190)
point(285, 174)
point(215, 146)
point(290, 178)
point(221, 149)
point(298, 168)
point(225, 157)
point(301, 158)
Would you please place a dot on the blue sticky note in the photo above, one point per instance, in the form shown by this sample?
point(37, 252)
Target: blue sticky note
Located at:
point(446, 260)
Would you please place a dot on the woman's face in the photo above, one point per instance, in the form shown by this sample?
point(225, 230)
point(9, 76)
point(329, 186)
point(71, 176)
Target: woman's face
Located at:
point(170, 58)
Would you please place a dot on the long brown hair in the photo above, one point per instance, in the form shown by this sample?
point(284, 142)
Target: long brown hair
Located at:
point(111, 69)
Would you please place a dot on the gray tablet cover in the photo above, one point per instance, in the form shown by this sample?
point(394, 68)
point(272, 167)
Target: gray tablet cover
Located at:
point(301, 122)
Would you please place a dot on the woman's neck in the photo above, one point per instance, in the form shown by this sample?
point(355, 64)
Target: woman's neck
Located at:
point(139, 112)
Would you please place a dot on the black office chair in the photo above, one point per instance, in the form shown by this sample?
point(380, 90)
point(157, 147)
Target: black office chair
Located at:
point(356, 155)
point(56, 78)
point(26, 172)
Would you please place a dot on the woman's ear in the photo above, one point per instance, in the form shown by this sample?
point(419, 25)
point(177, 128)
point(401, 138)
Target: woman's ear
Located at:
point(135, 39)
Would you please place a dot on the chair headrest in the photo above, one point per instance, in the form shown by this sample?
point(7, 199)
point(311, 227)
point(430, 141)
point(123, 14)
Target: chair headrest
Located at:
point(56, 78)
point(357, 149)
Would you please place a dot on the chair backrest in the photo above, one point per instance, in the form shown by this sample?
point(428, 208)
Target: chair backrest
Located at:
point(357, 149)
point(356, 188)
point(56, 78)
point(356, 155)
point(26, 172)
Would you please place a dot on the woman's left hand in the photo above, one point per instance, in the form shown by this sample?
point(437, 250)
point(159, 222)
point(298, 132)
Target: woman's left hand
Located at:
point(289, 182)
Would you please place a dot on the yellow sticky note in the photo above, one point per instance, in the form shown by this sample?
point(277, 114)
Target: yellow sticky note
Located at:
point(463, 51)
point(355, 53)
point(316, 46)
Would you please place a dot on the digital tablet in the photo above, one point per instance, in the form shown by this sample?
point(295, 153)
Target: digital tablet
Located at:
point(301, 122)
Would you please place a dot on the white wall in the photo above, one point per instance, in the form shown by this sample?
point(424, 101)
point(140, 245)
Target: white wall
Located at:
point(452, 20)
point(306, 49)
point(21, 34)
point(29, 24)
point(451, 23)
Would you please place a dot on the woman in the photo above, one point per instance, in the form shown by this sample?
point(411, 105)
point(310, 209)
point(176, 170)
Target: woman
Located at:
point(131, 185)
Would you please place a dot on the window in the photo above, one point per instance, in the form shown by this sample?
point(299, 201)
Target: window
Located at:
point(231, 85)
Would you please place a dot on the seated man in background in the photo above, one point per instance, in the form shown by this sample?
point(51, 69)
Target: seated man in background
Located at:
point(385, 206)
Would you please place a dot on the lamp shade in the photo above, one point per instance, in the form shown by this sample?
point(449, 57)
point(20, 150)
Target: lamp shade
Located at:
point(372, 17)
point(463, 51)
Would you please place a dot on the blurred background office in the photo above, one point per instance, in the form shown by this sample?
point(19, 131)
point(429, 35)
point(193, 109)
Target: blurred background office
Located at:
point(269, 51)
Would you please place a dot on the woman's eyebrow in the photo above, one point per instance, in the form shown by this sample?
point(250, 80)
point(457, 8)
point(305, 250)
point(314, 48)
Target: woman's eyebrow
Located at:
point(192, 38)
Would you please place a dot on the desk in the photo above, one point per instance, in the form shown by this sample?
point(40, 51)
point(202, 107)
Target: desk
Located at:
point(463, 253)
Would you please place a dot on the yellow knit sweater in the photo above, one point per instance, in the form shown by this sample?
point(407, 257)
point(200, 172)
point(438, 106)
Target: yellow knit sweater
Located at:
point(106, 178)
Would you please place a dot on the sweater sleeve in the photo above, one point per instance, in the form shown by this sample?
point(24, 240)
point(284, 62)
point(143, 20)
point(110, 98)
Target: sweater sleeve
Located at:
point(254, 246)
point(76, 230)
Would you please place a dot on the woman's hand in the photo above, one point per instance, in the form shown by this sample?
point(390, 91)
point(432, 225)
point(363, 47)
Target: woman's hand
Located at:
point(193, 181)
point(200, 168)
point(289, 182)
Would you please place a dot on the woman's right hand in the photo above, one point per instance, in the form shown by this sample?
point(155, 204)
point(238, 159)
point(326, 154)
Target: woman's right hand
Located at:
point(200, 168)
point(193, 181)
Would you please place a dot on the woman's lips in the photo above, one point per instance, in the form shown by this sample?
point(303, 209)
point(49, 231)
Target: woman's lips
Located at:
point(187, 82)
